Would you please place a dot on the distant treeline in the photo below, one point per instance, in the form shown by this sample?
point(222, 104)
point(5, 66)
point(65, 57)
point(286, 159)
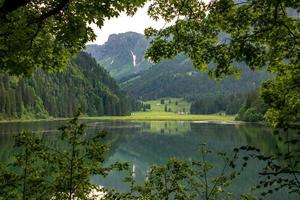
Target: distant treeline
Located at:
point(84, 84)
point(248, 106)
point(229, 104)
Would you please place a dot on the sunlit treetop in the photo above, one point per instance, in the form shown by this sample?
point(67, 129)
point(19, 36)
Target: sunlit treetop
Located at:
point(46, 33)
point(221, 33)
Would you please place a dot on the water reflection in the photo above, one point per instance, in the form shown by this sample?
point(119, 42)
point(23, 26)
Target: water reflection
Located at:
point(143, 144)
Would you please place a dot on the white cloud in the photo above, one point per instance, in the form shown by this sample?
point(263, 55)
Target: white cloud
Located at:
point(124, 23)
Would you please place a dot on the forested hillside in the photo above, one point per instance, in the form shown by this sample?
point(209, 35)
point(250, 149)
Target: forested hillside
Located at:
point(84, 84)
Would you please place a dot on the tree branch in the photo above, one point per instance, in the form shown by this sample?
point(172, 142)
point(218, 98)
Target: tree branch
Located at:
point(10, 6)
point(62, 4)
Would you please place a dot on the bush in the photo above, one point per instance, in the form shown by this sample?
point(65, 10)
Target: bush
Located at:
point(249, 115)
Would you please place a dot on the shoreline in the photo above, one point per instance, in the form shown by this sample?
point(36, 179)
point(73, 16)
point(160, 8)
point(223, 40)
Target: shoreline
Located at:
point(144, 116)
point(163, 119)
point(33, 120)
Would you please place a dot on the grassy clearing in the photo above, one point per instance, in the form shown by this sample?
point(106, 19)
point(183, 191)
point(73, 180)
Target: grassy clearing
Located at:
point(172, 104)
point(165, 116)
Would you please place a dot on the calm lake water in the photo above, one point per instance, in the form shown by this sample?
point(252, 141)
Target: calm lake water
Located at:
point(143, 144)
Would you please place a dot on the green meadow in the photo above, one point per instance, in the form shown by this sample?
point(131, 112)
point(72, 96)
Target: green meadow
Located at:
point(178, 110)
point(165, 116)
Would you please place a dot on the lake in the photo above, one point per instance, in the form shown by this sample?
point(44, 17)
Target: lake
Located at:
point(143, 144)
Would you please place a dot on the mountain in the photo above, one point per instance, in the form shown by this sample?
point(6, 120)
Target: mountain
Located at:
point(122, 55)
point(84, 84)
point(171, 78)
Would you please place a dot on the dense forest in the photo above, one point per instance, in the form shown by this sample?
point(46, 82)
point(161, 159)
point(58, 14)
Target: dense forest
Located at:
point(248, 106)
point(229, 104)
point(84, 84)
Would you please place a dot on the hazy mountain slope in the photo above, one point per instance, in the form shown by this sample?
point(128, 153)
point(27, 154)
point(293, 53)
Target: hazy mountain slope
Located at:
point(175, 78)
point(122, 55)
point(178, 78)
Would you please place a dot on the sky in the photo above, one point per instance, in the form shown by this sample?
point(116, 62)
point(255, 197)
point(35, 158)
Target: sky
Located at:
point(123, 23)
